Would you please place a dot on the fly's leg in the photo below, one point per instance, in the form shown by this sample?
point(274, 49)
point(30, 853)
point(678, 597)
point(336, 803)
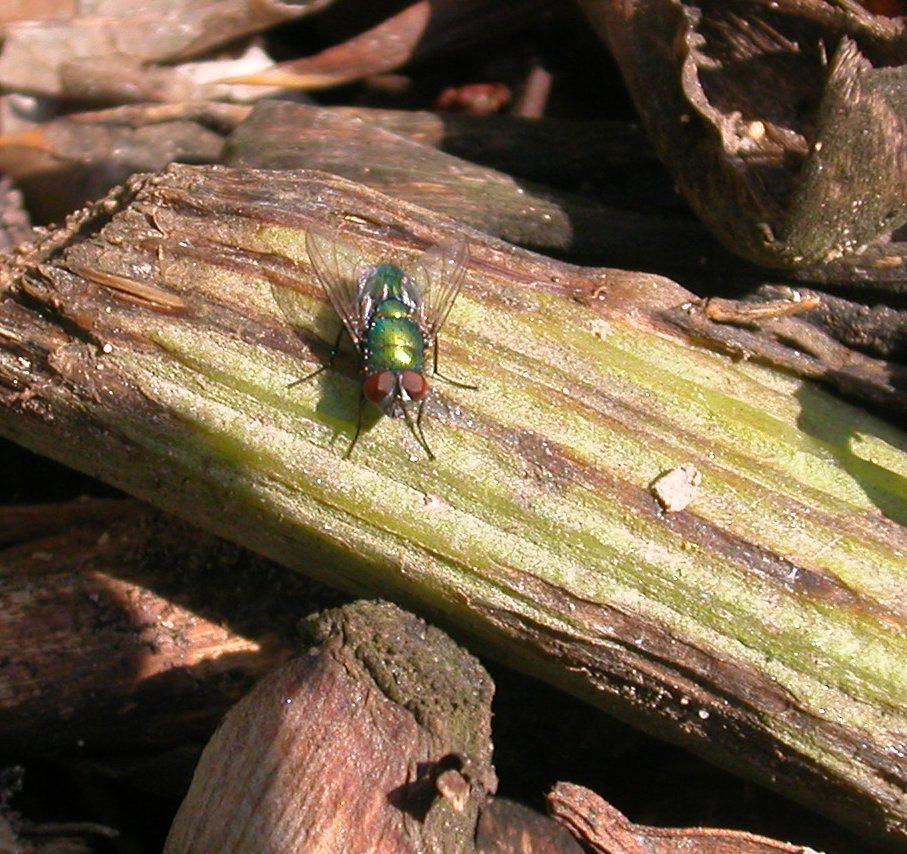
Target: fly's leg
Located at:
point(437, 373)
point(349, 450)
point(416, 428)
point(328, 364)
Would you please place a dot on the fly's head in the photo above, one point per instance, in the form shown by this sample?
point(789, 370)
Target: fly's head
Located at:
point(392, 390)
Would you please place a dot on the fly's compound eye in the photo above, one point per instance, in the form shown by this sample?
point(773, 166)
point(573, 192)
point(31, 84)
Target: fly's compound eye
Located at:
point(379, 388)
point(414, 385)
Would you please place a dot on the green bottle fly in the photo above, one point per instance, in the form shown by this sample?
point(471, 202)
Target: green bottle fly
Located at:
point(392, 316)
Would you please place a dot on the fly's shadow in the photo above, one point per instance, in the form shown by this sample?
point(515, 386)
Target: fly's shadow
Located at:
point(338, 377)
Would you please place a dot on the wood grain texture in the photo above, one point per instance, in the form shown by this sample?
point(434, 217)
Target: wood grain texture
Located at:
point(762, 626)
point(378, 739)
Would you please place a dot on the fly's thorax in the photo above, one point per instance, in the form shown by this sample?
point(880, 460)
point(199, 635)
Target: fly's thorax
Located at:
point(387, 282)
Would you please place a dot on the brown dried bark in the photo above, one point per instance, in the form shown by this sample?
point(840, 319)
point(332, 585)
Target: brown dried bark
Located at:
point(604, 829)
point(122, 627)
point(376, 740)
point(783, 123)
point(390, 155)
point(143, 344)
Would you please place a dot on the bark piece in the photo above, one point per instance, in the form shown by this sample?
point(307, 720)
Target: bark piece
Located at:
point(280, 135)
point(65, 163)
point(603, 828)
point(377, 740)
point(761, 627)
point(877, 330)
point(38, 56)
point(122, 628)
point(506, 826)
point(552, 151)
point(803, 348)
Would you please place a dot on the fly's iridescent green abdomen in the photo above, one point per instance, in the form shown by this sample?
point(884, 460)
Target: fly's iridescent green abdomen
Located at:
point(393, 341)
point(393, 314)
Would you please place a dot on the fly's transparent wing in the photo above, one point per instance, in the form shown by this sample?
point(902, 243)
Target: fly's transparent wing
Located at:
point(338, 266)
point(440, 273)
point(296, 308)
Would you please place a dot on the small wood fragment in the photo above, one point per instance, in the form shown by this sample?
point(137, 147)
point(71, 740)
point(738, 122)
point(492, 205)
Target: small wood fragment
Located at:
point(377, 740)
point(677, 488)
point(738, 311)
point(605, 829)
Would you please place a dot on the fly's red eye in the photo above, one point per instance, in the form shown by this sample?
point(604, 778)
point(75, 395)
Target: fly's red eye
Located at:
point(379, 387)
point(414, 384)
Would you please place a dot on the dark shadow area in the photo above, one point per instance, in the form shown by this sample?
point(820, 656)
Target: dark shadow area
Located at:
point(416, 798)
point(542, 736)
point(886, 489)
point(29, 478)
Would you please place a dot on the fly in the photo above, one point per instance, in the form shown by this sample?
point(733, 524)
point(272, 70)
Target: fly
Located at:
point(393, 317)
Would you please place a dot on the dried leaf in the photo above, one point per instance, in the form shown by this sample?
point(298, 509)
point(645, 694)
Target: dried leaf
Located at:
point(36, 54)
point(789, 161)
point(419, 31)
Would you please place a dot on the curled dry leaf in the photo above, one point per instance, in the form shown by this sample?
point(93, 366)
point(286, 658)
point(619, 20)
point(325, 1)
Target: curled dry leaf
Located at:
point(421, 30)
point(385, 47)
point(783, 123)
